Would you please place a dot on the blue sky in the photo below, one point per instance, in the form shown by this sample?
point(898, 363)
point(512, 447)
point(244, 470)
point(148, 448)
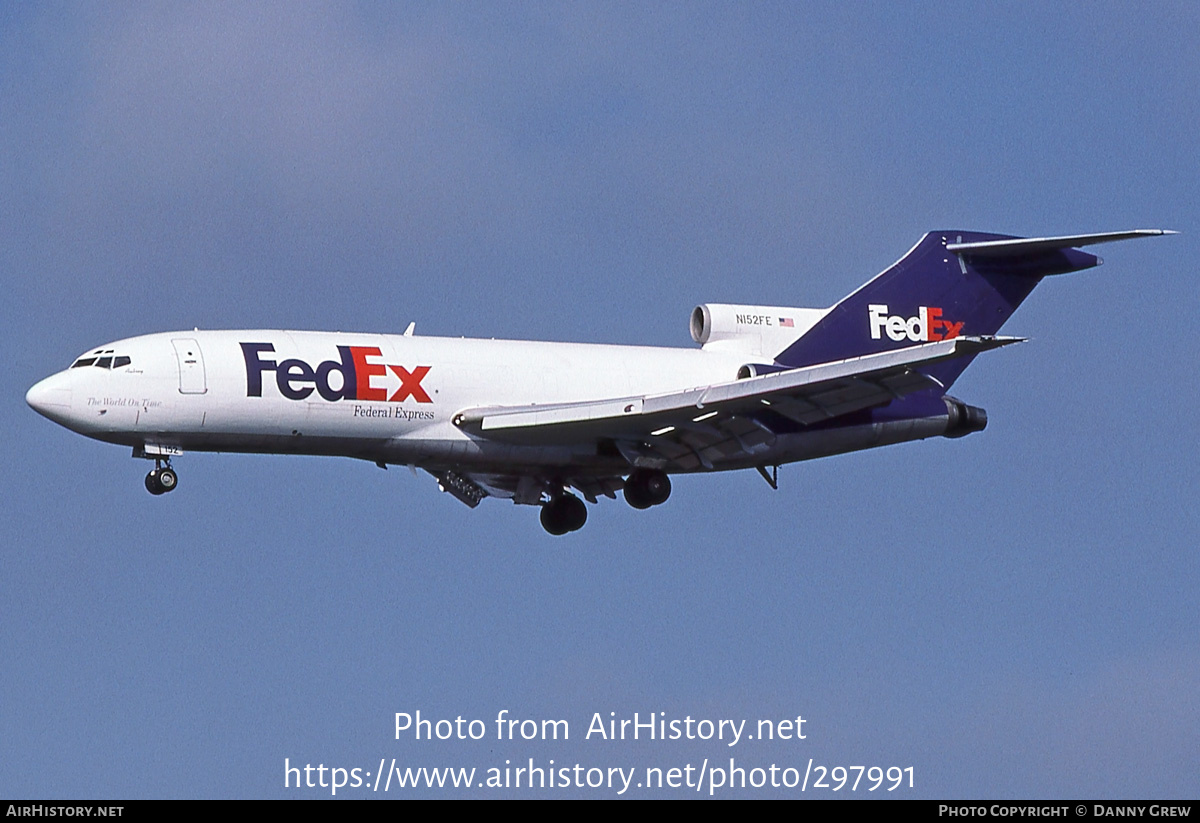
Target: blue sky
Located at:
point(1013, 614)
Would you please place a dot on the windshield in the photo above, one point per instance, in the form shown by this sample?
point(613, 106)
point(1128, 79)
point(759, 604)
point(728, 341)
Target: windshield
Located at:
point(102, 359)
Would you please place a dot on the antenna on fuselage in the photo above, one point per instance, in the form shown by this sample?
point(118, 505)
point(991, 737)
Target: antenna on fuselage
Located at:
point(409, 331)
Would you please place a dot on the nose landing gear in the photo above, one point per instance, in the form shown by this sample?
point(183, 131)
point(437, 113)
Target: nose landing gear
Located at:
point(163, 479)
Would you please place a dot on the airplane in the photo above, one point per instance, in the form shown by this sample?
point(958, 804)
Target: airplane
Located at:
point(532, 421)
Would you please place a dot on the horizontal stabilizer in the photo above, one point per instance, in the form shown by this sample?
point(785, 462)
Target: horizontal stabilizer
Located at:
point(972, 280)
point(1020, 246)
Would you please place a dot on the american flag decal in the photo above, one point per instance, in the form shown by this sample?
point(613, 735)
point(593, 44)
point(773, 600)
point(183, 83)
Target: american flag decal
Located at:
point(786, 322)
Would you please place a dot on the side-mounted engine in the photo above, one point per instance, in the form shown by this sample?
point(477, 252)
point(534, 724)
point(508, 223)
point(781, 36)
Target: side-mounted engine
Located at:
point(963, 418)
point(763, 331)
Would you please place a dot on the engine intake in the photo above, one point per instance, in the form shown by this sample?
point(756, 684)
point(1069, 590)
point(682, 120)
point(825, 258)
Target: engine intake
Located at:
point(765, 330)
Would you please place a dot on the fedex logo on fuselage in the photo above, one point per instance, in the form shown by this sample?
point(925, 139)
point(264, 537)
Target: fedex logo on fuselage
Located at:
point(927, 325)
point(296, 379)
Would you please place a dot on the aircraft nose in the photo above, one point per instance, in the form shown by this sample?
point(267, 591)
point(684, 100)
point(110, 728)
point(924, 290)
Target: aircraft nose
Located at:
point(51, 397)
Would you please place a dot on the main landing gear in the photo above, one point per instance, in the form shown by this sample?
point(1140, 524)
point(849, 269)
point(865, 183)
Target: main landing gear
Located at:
point(163, 479)
point(565, 513)
point(645, 488)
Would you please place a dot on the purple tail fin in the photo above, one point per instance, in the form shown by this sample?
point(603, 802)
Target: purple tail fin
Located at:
point(952, 283)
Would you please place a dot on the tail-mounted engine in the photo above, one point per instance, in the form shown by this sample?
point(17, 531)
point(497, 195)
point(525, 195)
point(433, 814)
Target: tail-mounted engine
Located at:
point(760, 330)
point(964, 418)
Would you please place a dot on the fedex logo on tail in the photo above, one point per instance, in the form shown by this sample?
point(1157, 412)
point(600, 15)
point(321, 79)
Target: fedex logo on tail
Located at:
point(927, 325)
point(296, 379)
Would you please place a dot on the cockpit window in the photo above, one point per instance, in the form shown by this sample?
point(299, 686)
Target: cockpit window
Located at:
point(107, 361)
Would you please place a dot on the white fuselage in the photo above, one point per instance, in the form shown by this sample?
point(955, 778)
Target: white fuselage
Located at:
point(532, 420)
point(286, 392)
point(190, 390)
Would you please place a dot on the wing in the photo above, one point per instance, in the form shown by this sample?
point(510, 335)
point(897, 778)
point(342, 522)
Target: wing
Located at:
point(689, 429)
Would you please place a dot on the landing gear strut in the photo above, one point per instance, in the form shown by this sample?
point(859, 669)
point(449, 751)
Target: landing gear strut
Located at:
point(645, 488)
point(565, 513)
point(163, 479)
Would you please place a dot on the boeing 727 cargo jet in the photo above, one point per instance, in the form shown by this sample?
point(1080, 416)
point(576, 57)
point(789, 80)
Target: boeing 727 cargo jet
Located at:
point(531, 421)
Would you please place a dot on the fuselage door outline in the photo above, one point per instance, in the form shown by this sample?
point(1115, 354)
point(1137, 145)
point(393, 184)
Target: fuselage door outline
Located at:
point(191, 366)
